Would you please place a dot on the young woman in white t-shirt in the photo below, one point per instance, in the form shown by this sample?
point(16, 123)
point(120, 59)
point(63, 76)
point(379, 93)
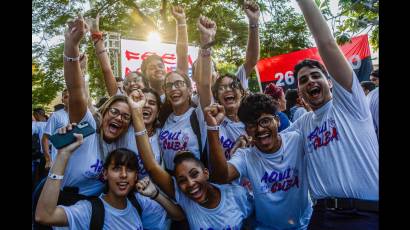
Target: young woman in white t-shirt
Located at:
point(206, 205)
point(120, 173)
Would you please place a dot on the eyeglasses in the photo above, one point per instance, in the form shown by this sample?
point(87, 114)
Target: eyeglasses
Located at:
point(178, 84)
point(115, 112)
point(133, 80)
point(233, 85)
point(264, 122)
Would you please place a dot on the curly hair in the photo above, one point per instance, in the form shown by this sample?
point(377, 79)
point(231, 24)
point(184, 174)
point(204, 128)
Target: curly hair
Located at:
point(252, 107)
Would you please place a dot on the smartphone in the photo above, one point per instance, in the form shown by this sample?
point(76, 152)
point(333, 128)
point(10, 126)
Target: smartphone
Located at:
point(61, 140)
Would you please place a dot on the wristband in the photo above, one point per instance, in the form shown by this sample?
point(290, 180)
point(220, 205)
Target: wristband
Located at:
point(253, 26)
point(205, 52)
point(102, 51)
point(155, 196)
point(71, 59)
point(208, 45)
point(213, 128)
point(140, 133)
point(55, 176)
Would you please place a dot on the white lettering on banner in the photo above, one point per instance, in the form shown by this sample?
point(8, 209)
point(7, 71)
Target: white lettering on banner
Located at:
point(134, 52)
point(355, 61)
point(289, 78)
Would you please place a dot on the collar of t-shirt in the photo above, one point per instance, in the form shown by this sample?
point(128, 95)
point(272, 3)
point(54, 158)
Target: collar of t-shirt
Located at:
point(221, 204)
point(318, 113)
point(174, 118)
point(277, 155)
point(110, 208)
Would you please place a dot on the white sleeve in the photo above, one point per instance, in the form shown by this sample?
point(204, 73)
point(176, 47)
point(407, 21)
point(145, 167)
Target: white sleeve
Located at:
point(243, 199)
point(78, 215)
point(34, 128)
point(354, 103)
point(239, 162)
point(241, 75)
point(88, 117)
point(50, 126)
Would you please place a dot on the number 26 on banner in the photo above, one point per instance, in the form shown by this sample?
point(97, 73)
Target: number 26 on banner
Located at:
point(287, 79)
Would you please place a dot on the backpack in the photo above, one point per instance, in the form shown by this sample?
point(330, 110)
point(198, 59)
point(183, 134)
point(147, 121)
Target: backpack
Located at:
point(195, 127)
point(98, 211)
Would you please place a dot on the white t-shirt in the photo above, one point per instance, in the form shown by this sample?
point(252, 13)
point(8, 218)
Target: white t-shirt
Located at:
point(79, 216)
point(177, 134)
point(85, 164)
point(298, 113)
point(57, 120)
point(341, 146)
point(236, 205)
point(153, 216)
point(229, 131)
point(38, 127)
point(373, 98)
point(279, 183)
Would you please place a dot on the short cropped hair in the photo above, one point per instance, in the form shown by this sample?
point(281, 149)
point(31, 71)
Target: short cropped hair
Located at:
point(252, 107)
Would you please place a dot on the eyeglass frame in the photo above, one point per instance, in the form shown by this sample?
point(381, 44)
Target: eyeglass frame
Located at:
point(117, 111)
point(168, 86)
point(258, 123)
point(233, 85)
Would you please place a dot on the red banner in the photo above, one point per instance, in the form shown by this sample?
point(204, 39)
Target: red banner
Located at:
point(279, 69)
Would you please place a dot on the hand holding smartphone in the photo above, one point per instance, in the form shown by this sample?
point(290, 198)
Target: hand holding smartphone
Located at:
point(61, 140)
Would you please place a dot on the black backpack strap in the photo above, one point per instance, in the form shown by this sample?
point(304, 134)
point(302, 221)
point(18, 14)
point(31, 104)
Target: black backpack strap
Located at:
point(195, 127)
point(131, 197)
point(97, 214)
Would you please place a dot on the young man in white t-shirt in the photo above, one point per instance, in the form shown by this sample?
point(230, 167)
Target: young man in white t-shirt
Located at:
point(275, 165)
point(341, 146)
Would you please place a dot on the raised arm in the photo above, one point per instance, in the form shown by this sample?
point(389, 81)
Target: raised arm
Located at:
point(46, 150)
point(207, 31)
point(147, 188)
point(136, 101)
point(329, 51)
point(102, 56)
point(252, 50)
point(77, 104)
point(47, 211)
point(182, 39)
point(222, 171)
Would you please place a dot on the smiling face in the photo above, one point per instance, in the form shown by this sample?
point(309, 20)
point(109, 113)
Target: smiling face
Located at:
point(314, 87)
point(192, 179)
point(155, 71)
point(132, 82)
point(264, 132)
point(150, 110)
point(116, 120)
point(177, 91)
point(121, 179)
point(229, 94)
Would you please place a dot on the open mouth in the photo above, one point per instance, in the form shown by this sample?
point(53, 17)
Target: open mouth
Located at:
point(195, 193)
point(314, 91)
point(229, 99)
point(175, 97)
point(122, 185)
point(264, 138)
point(114, 127)
point(146, 114)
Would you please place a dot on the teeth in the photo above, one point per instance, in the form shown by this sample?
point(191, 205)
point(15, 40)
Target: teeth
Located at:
point(195, 190)
point(263, 135)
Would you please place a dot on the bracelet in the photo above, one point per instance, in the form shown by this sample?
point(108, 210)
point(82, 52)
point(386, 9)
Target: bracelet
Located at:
point(208, 45)
point(213, 128)
point(183, 24)
point(253, 26)
point(156, 195)
point(102, 51)
point(140, 133)
point(95, 42)
point(55, 176)
point(205, 52)
point(71, 59)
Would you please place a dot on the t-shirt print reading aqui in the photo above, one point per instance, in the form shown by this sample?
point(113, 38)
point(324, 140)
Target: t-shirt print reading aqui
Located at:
point(322, 136)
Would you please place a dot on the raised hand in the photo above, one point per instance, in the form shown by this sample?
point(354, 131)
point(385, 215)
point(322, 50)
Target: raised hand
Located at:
point(252, 11)
point(136, 99)
point(69, 149)
point(94, 24)
point(214, 114)
point(75, 31)
point(146, 188)
point(243, 141)
point(207, 29)
point(178, 13)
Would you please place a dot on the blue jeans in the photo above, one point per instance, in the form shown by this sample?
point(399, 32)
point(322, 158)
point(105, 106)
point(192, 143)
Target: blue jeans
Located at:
point(343, 220)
